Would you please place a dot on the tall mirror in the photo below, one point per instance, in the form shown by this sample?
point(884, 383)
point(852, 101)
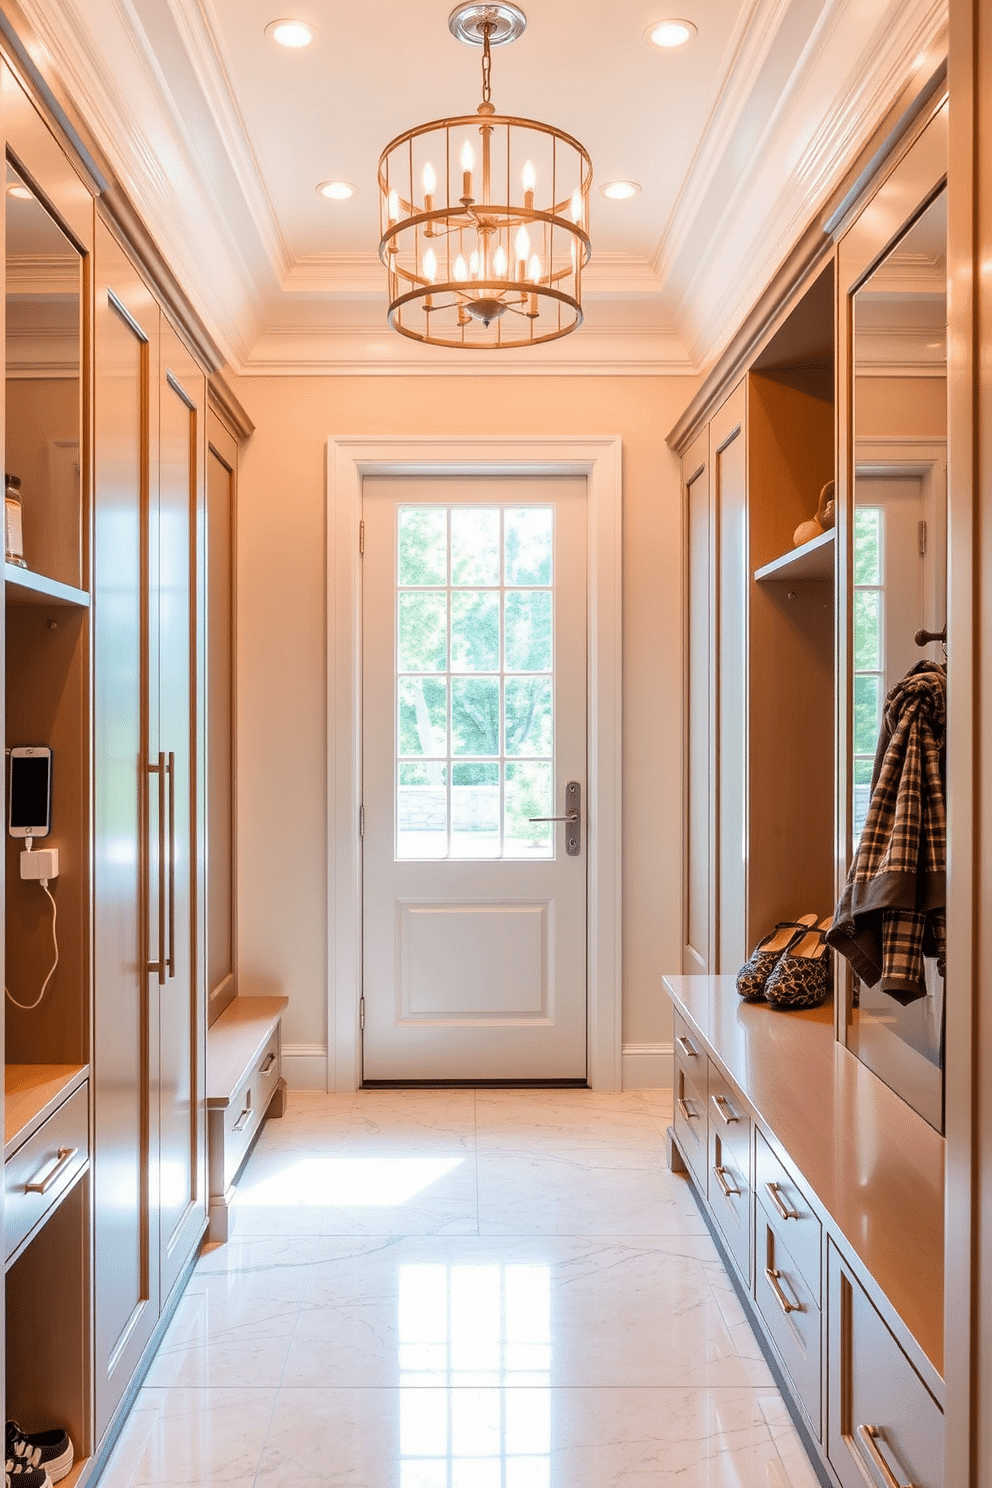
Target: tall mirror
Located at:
point(899, 598)
point(44, 389)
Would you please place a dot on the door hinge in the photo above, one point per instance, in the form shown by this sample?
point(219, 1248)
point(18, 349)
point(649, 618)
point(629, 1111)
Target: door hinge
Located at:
point(361, 537)
point(361, 821)
point(361, 1012)
point(923, 539)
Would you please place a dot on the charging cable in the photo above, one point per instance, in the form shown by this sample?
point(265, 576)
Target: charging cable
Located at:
point(50, 861)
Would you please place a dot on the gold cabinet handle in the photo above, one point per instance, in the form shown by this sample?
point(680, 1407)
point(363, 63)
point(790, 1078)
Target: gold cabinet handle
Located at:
point(159, 965)
point(41, 1185)
point(686, 1046)
point(773, 1281)
point(868, 1437)
point(772, 1190)
point(268, 1063)
point(725, 1110)
point(245, 1116)
point(721, 1177)
point(171, 770)
point(687, 1111)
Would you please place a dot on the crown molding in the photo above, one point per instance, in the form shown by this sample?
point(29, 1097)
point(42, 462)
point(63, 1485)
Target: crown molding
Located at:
point(379, 352)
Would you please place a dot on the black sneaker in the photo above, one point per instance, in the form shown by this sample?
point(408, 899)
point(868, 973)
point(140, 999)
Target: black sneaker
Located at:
point(51, 1450)
point(20, 1474)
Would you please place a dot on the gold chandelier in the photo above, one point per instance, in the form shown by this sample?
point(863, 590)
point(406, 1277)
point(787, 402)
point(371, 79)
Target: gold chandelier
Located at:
point(485, 218)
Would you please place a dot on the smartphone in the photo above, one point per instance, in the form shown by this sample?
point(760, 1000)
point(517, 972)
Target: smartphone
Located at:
point(29, 796)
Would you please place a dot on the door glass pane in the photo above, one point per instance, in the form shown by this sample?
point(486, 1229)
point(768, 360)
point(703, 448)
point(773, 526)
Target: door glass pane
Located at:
point(529, 793)
point(475, 631)
point(475, 545)
point(527, 540)
point(423, 545)
point(528, 630)
point(423, 720)
point(475, 810)
point(422, 810)
point(474, 681)
point(423, 632)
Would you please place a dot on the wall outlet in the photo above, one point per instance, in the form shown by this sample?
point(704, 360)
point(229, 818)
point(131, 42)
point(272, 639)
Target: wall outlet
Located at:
point(41, 864)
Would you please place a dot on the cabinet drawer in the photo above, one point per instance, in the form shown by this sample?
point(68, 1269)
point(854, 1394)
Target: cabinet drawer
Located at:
point(687, 1050)
point(789, 1214)
point(791, 1315)
point(243, 1116)
point(881, 1418)
point(690, 1120)
point(728, 1179)
point(44, 1167)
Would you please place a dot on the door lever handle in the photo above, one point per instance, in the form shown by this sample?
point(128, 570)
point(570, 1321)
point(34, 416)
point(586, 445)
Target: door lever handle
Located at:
point(573, 816)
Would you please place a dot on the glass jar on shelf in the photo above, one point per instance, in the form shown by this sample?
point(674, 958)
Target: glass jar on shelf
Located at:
point(13, 526)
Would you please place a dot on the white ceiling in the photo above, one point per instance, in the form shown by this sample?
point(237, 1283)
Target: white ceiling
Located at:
point(220, 138)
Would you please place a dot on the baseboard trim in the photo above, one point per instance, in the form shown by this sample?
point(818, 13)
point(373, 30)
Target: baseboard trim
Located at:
point(304, 1066)
point(646, 1066)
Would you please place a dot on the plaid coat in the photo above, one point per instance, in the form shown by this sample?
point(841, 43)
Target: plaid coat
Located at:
point(892, 911)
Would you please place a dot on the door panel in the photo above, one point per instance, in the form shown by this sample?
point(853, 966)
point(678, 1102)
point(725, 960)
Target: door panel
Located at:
point(474, 720)
point(697, 951)
point(172, 606)
point(125, 1165)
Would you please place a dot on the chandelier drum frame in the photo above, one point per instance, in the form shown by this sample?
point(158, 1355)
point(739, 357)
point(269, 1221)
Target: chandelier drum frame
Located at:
point(449, 304)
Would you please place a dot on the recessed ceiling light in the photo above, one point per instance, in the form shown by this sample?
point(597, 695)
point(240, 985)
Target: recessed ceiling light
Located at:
point(289, 33)
point(23, 193)
point(337, 190)
point(670, 33)
point(619, 190)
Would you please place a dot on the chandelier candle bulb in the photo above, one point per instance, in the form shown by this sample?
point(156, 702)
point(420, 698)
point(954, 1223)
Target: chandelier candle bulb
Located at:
point(430, 186)
point(430, 265)
point(528, 180)
point(460, 270)
point(521, 250)
point(468, 166)
point(393, 207)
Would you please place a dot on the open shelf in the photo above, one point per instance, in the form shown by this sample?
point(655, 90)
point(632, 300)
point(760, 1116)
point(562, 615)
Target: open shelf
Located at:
point(32, 1092)
point(27, 588)
point(813, 560)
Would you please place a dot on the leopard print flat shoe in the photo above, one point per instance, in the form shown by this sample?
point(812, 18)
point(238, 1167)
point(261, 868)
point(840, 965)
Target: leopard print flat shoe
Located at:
point(801, 976)
point(761, 963)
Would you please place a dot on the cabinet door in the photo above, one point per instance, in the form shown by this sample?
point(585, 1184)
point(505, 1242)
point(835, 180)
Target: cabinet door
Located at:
point(125, 1163)
point(173, 656)
point(698, 933)
point(883, 1425)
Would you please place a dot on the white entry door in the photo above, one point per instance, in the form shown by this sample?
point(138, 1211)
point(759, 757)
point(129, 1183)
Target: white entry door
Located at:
point(474, 723)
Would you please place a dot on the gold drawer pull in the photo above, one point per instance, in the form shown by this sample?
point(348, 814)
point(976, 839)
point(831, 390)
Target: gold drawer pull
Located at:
point(721, 1178)
point(780, 1297)
point(725, 1110)
point(42, 1185)
point(244, 1118)
point(686, 1046)
point(268, 1064)
point(687, 1111)
point(771, 1189)
point(872, 1457)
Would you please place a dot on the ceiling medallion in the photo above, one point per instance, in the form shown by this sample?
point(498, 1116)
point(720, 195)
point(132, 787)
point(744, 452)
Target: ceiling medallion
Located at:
point(485, 218)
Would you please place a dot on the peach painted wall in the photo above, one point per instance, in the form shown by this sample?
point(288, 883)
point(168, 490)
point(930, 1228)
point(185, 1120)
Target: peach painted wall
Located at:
point(281, 656)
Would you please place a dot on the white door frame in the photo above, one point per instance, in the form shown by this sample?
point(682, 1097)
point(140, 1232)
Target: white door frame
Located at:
point(349, 459)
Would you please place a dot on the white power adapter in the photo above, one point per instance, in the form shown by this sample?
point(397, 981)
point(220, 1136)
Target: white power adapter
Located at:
point(43, 864)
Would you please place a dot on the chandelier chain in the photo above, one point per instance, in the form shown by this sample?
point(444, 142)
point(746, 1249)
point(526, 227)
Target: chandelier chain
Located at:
point(487, 28)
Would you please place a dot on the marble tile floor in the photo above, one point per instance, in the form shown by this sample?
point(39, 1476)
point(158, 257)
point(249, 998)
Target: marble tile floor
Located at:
point(461, 1289)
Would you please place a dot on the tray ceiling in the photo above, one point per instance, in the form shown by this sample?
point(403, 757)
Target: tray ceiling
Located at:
point(220, 139)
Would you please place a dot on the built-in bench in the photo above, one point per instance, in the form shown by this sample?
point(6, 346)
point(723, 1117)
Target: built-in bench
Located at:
point(244, 1085)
